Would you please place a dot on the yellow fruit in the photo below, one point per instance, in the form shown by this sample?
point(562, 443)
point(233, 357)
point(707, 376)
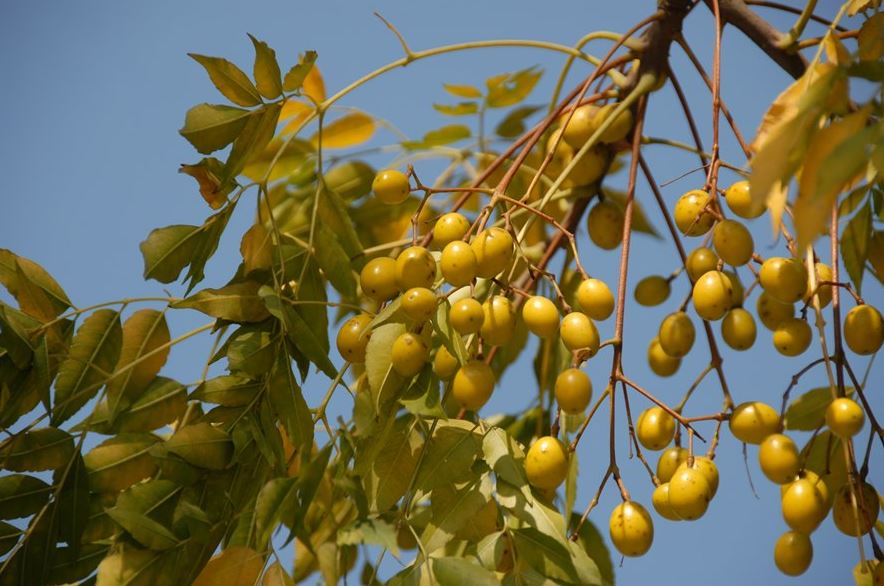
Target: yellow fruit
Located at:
point(391, 186)
point(458, 263)
point(631, 528)
point(660, 500)
point(579, 333)
point(419, 304)
point(605, 225)
point(595, 299)
point(466, 316)
point(793, 553)
point(670, 460)
point(784, 278)
point(863, 329)
point(779, 458)
point(473, 385)
point(619, 128)
point(450, 227)
point(733, 242)
point(859, 521)
point(689, 215)
point(546, 463)
point(708, 469)
point(752, 422)
point(573, 390)
point(676, 334)
point(816, 481)
point(494, 250)
point(736, 288)
point(409, 354)
point(652, 290)
point(804, 508)
point(661, 363)
point(845, 417)
point(353, 338)
point(771, 311)
point(589, 169)
point(581, 126)
point(824, 292)
point(500, 321)
point(792, 337)
point(415, 267)
point(701, 260)
point(655, 428)
point(740, 202)
point(541, 316)
point(378, 278)
point(712, 295)
point(738, 329)
point(444, 364)
point(689, 493)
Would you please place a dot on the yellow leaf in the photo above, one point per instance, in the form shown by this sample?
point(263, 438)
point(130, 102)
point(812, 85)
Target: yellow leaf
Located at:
point(871, 38)
point(813, 206)
point(256, 248)
point(836, 52)
point(776, 202)
point(314, 85)
point(276, 576)
point(294, 113)
point(235, 566)
point(860, 5)
point(352, 129)
point(786, 130)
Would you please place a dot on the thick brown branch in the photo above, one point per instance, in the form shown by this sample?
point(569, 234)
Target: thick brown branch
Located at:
point(762, 33)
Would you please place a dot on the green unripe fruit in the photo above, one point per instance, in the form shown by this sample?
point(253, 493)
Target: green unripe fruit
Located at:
point(605, 225)
point(652, 290)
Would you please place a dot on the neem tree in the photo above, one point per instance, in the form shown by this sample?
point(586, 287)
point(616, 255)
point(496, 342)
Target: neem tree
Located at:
point(122, 476)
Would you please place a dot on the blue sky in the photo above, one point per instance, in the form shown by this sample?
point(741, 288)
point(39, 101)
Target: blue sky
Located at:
point(93, 95)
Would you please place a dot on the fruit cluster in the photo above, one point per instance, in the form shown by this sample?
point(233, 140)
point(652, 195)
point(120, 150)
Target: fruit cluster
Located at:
point(452, 257)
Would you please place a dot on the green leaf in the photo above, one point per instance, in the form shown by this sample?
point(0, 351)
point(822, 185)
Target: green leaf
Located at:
point(162, 402)
point(268, 78)
point(334, 214)
point(439, 137)
point(210, 127)
point(275, 504)
point(852, 200)
point(238, 302)
point(299, 332)
point(145, 341)
point(254, 137)
point(39, 449)
point(210, 235)
point(72, 502)
point(450, 454)
point(14, 337)
point(334, 261)
point(855, 244)
point(350, 179)
point(640, 221)
point(295, 77)
point(387, 463)
point(452, 509)
point(808, 411)
point(824, 454)
point(288, 402)
point(506, 458)
point(590, 540)
point(451, 571)
point(8, 537)
point(119, 462)
point(229, 80)
point(371, 532)
point(145, 530)
point(378, 359)
point(449, 338)
point(94, 353)
point(423, 397)
point(549, 556)
point(507, 90)
point(168, 250)
point(461, 109)
point(202, 445)
point(251, 351)
point(149, 498)
point(228, 390)
point(513, 124)
point(22, 496)
point(462, 91)
point(14, 269)
point(71, 565)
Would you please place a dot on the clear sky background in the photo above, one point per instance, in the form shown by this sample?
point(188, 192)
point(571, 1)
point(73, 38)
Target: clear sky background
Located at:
point(93, 95)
